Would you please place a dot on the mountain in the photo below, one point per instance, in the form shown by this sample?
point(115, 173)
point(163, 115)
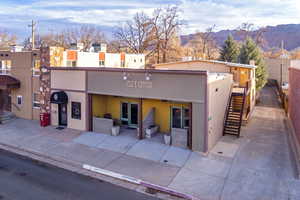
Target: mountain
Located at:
point(289, 33)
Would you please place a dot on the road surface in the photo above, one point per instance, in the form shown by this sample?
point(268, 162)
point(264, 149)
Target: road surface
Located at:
point(25, 179)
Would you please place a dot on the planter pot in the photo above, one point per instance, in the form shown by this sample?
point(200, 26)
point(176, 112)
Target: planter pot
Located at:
point(167, 139)
point(115, 130)
point(151, 131)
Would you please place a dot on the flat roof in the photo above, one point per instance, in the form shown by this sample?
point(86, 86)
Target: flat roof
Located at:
point(111, 69)
point(230, 64)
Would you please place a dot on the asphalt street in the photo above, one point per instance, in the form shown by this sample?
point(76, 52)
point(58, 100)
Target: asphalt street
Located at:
point(24, 179)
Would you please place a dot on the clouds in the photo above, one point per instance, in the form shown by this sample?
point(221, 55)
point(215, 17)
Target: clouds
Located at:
point(200, 14)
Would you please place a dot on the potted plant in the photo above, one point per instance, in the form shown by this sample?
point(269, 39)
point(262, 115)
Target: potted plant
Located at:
point(167, 138)
point(151, 130)
point(115, 130)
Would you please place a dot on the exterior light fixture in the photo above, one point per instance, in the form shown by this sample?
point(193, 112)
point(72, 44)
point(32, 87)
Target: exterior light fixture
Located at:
point(125, 76)
point(148, 77)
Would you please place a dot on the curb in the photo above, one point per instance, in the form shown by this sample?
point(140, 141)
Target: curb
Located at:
point(139, 182)
point(139, 185)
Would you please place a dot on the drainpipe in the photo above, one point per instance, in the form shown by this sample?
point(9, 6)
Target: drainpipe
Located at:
point(206, 104)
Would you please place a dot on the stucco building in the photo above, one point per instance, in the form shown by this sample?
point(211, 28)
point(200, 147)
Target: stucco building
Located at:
point(102, 98)
point(21, 68)
point(243, 76)
point(96, 57)
point(293, 103)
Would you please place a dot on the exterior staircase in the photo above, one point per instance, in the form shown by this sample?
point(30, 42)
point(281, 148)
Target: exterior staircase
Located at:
point(6, 117)
point(234, 113)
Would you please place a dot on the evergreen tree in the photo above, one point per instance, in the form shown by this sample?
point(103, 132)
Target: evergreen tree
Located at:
point(250, 51)
point(230, 50)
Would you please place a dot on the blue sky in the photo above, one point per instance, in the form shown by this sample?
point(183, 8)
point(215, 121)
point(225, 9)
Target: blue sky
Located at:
point(53, 15)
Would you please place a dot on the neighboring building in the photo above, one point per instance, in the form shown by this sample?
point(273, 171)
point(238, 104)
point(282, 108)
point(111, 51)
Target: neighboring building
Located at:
point(102, 98)
point(96, 57)
point(294, 109)
point(278, 69)
point(21, 68)
point(243, 75)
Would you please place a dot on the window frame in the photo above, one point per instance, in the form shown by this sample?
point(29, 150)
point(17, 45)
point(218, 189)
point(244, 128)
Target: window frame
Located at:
point(19, 97)
point(182, 116)
point(73, 114)
point(34, 101)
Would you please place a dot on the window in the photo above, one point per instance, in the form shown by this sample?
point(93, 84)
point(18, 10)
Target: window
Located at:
point(71, 63)
point(76, 110)
point(176, 118)
point(186, 118)
point(180, 117)
point(5, 66)
point(122, 63)
point(101, 63)
point(36, 100)
point(19, 100)
point(36, 68)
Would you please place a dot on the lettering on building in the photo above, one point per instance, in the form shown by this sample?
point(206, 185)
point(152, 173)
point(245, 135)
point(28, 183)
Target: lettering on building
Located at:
point(139, 84)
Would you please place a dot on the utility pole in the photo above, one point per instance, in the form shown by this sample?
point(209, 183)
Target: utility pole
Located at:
point(281, 66)
point(32, 25)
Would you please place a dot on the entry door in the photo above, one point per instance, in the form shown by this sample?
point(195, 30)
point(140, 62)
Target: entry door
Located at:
point(129, 114)
point(133, 120)
point(62, 114)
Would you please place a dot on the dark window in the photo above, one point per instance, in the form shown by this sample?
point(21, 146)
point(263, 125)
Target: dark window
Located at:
point(76, 110)
point(101, 63)
point(19, 100)
point(186, 118)
point(176, 118)
point(124, 111)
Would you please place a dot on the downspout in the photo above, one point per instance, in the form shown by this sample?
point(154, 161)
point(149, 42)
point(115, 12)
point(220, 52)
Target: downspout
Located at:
point(206, 105)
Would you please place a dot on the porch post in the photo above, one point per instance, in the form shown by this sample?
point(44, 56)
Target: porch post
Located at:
point(140, 118)
point(190, 130)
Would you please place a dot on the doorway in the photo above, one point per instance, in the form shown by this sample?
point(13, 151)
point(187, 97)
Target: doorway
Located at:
point(62, 115)
point(129, 114)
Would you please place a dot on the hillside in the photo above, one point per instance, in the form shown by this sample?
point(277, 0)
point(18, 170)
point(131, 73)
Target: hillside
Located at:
point(289, 33)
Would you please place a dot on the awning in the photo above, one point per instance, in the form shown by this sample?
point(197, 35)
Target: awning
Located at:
point(59, 97)
point(9, 82)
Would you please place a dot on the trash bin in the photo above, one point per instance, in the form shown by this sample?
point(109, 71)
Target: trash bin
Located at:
point(44, 119)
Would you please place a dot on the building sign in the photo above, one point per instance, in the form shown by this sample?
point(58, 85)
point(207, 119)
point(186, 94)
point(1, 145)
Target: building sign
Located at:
point(139, 84)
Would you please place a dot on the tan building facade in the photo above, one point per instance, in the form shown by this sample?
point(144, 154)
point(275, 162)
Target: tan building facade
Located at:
point(101, 99)
point(24, 66)
point(243, 75)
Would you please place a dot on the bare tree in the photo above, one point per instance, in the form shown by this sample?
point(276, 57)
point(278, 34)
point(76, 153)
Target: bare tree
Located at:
point(245, 30)
point(169, 24)
point(136, 34)
point(7, 39)
point(203, 45)
point(86, 34)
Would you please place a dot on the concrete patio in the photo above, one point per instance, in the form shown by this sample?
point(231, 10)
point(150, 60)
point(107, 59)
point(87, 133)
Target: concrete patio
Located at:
point(256, 166)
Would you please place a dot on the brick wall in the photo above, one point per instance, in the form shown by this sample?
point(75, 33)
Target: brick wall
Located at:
point(294, 99)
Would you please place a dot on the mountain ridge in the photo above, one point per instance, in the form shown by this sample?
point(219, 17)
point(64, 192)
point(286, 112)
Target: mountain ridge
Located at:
point(288, 33)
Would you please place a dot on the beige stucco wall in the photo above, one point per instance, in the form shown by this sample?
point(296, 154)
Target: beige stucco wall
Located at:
point(196, 65)
point(54, 114)
point(68, 80)
point(174, 87)
point(274, 69)
point(72, 123)
point(21, 70)
point(198, 127)
point(218, 95)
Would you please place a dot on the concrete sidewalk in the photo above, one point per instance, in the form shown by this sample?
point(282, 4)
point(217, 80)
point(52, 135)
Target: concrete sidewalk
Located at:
point(255, 166)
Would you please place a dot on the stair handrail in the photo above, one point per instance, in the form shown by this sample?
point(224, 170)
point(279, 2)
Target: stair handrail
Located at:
point(227, 106)
point(242, 112)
